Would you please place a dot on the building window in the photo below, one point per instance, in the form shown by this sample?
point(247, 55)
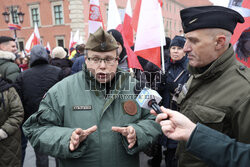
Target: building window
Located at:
point(60, 41)
point(20, 44)
point(58, 14)
point(35, 16)
point(15, 17)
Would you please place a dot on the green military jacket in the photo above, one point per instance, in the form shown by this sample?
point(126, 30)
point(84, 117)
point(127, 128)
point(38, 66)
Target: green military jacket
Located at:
point(8, 69)
point(218, 98)
point(79, 101)
point(218, 149)
point(11, 117)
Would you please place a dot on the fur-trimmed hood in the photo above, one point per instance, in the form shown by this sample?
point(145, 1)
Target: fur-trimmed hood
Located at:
point(7, 55)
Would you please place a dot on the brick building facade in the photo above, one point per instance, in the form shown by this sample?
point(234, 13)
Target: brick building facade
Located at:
point(57, 18)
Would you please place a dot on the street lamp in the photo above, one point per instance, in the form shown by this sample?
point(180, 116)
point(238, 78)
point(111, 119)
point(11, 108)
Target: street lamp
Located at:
point(13, 13)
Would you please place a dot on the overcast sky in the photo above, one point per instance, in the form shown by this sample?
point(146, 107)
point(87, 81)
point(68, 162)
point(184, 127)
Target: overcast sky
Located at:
point(220, 2)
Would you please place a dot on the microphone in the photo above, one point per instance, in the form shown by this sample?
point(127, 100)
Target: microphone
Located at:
point(147, 98)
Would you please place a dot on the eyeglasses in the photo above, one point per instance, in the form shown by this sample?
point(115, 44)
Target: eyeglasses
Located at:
point(109, 60)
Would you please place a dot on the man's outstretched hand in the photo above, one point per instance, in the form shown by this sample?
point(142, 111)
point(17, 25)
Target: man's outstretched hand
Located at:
point(80, 135)
point(128, 132)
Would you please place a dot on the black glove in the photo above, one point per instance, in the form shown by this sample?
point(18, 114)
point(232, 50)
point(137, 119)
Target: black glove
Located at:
point(171, 86)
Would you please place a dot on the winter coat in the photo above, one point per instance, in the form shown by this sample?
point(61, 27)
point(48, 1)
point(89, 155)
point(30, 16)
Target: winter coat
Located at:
point(8, 69)
point(79, 101)
point(11, 117)
point(174, 71)
point(36, 81)
point(65, 64)
point(78, 64)
point(219, 98)
point(218, 149)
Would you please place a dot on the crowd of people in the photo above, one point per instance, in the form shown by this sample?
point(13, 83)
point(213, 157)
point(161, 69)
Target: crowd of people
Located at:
point(66, 104)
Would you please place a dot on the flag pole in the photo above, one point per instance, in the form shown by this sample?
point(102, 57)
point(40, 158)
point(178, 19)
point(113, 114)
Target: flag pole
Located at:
point(162, 51)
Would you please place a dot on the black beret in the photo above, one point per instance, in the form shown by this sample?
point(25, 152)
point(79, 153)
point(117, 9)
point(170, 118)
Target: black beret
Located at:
point(209, 17)
point(178, 41)
point(6, 39)
point(101, 41)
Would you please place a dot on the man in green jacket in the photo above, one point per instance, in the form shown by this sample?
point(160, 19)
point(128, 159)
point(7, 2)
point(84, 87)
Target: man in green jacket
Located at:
point(218, 92)
point(91, 118)
point(8, 69)
point(215, 148)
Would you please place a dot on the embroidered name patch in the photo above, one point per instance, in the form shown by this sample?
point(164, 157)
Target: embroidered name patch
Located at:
point(86, 107)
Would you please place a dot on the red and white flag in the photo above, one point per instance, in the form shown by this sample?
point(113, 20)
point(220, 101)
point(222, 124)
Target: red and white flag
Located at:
point(241, 31)
point(48, 47)
point(127, 23)
point(150, 32)
point(95, 16)
point(33, 40)
point(114, 18)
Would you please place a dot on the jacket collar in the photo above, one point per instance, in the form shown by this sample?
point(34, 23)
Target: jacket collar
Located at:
point(217, 67)
point(7, 55)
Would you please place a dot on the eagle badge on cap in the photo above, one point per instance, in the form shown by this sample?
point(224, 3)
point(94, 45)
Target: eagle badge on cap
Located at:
point(130, 107)
point(103, 45)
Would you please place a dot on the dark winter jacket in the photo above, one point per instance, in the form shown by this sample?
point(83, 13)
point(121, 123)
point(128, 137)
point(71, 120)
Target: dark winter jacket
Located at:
point(77, 66)
point(11, 117)
point(36, 81)
point(8, 69)
point(174, 71)
point(65, 64)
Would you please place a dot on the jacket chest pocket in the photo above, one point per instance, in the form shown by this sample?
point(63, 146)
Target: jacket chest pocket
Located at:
point(212, 117)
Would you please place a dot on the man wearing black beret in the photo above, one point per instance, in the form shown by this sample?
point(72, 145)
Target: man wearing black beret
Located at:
point(218, 93)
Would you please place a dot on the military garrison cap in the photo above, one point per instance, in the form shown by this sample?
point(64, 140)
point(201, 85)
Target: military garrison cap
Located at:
point(101, 41)
point(209, 17)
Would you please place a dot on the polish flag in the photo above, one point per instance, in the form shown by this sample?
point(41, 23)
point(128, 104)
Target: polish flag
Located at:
point(95, 16)
point(240, 29)
point(71, 45)
point(128, 30)
point(48, 47)
point(33, 40)
point(150, 32)
point(115, 23)
point(114, 18)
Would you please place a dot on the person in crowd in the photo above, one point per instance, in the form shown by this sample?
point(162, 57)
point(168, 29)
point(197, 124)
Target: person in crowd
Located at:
point(8, 69)
point(79, 62)
point(176, 75)
point(123, 63)
point(79, 52)
point(169, 86)
point(11, 117)
point(8, 44)
point(59, 59)
point(217, 93)
point(212, 146)
point(79, 120)
point(32, 84)
point(243, 47)
point(24, 64)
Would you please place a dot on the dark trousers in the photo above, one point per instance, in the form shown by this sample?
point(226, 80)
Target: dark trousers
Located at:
point(170, 158)
point(157, 157)
point(41, 159)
